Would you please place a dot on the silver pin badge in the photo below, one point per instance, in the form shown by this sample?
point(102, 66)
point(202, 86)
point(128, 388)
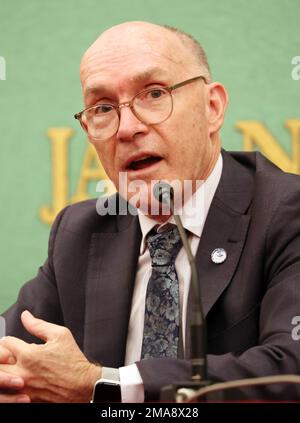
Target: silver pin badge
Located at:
point(218, 256)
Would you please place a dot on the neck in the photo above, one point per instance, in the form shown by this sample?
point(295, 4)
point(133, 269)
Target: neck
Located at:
point(216, 149)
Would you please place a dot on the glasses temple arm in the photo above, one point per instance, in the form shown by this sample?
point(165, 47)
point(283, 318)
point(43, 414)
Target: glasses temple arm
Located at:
point(181, 84)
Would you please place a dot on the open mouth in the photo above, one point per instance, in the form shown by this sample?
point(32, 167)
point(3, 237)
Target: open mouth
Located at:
point(143, 163)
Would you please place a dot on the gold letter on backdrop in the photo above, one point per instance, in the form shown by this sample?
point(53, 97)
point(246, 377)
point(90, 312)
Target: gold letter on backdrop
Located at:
point(59, 138)
point(256, 134)
point(91, 170)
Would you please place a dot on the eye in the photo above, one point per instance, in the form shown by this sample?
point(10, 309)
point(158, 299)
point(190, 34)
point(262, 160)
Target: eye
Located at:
point(152, 95)
point(156, 93)
point(102, 109)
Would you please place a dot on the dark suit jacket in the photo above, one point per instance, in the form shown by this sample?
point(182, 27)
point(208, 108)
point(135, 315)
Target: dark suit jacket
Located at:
point(249, 300)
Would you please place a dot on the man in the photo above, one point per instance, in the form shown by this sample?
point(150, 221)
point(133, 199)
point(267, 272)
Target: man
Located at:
point(153, 113)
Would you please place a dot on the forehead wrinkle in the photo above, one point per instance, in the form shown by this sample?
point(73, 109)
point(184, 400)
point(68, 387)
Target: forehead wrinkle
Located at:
point(142, 76)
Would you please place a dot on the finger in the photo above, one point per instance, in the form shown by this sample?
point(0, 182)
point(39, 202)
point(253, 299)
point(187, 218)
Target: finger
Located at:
point(6, 356)
point(14, 398)
point(40, 328)
point(10, 381)
point(13, 344)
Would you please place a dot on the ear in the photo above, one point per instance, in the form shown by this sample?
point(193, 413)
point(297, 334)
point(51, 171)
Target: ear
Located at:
point(217, 99)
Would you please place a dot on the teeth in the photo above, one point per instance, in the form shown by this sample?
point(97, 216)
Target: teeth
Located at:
point(142, 158)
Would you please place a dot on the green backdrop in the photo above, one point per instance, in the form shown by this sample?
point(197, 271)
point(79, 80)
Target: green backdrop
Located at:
point(250, 46)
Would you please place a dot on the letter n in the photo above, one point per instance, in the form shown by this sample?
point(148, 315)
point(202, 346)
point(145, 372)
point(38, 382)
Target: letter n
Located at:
point(256, 135)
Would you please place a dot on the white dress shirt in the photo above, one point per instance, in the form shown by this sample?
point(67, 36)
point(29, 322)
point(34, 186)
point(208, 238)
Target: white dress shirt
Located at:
point(193, 215)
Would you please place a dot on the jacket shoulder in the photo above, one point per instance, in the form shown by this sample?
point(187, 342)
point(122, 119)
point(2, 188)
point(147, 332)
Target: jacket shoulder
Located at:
point(83, 218)
point(266, 174)
point(105, 214)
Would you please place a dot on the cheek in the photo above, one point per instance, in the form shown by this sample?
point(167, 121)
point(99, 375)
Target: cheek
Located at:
point(190, 122)
point(188, 141)
point(188, 137)
point(106, 157)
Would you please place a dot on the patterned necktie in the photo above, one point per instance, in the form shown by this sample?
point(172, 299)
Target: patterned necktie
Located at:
point(161, 324)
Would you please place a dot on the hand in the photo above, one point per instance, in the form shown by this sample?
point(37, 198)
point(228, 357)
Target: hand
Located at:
point(56, 371)
point(9, 383)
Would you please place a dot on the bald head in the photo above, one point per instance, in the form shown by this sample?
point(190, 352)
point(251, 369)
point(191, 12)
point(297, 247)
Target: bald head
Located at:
point(195, 49)
point(142, 38)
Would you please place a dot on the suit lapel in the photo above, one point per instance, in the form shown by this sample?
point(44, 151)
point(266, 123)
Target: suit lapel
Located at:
point(225, 227)
point(222, 230)
point(110, 280)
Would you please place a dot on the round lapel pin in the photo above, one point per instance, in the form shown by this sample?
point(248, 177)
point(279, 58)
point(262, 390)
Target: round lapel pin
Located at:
point(218, 256)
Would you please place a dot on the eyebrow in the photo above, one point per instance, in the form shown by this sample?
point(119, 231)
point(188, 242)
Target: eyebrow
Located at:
point(151, 73)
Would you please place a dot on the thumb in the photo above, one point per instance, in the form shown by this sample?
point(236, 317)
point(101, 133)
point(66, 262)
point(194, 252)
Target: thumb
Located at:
point(39, 328)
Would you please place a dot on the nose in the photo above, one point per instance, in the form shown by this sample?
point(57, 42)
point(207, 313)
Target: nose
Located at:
point(129, 125)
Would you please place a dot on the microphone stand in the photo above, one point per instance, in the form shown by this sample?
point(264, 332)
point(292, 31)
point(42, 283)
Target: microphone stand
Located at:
point(199, 387)
point(182, 391)
point(223, 387)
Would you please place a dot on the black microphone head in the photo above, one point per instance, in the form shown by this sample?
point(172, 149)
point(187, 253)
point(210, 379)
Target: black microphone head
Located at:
point(163, 192)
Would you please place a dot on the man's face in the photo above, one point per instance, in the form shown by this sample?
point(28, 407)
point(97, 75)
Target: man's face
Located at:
point(126, 60)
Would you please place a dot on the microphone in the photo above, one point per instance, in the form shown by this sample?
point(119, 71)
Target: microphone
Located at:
point(164, 193)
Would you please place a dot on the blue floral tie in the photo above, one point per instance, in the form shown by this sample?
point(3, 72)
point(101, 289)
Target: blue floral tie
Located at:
point(161, 324)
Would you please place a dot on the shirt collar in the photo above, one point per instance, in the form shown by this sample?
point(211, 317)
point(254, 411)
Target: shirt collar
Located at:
point(194, 211)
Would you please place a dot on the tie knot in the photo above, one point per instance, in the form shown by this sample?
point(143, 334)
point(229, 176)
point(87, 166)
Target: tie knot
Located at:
point(164, 246)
